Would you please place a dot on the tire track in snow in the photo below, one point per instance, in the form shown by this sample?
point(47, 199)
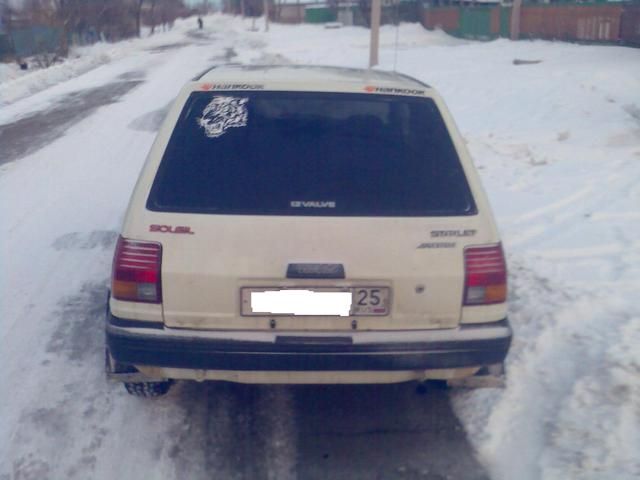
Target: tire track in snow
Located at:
point(230, 431)
point(31, 133)
point(68, 414)
point(569, 212)
point(558, 205)
point(276, 407)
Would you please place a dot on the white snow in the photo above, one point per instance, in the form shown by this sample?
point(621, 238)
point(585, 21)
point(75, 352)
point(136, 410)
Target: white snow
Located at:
point(557, 145)
point(16, 84)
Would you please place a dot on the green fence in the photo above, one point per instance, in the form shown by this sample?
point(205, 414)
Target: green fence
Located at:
point(6, 46)
point(596, 22)
point(32, 40)
point(319, 15)
point(505, 22)
point(475, 22)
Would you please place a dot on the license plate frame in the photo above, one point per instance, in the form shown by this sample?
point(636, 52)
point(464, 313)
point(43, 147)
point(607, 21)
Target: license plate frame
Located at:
point(366, 300)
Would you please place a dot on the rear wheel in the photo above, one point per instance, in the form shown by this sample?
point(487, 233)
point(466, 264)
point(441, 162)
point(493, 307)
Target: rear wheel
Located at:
point(147, 389)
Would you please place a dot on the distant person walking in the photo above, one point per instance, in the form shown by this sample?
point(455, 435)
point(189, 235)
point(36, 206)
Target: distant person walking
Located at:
point(200, 23)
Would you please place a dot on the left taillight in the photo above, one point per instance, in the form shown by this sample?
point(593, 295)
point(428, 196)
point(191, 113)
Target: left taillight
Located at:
point(136, 271)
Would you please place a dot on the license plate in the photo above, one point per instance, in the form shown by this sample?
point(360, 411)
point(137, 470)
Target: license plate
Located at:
point(370, 301)
point(321, 301)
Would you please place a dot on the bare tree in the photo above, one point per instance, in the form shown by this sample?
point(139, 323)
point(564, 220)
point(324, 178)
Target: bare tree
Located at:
point(365, 10)
point(138, 15)
point(162, 13)
point(6, 19)
point(64, 12)
point(152, 16)
point(113, 19)
point(333, 6)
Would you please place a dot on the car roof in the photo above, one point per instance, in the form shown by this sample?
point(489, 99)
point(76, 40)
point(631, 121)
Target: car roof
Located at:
point(303, 75)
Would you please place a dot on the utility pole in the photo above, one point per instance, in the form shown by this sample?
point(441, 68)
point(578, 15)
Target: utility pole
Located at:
point(376, 6)
point(265, 7)
point(515, 19)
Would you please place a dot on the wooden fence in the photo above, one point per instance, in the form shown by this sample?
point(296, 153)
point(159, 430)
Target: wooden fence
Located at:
point(619, 23)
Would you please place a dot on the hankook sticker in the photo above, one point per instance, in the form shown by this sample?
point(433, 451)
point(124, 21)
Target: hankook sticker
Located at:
point(222, 113)
point(398, 91)
point(231, 86)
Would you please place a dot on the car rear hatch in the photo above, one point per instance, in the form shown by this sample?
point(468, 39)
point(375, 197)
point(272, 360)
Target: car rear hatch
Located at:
point(203, 275)
point(281, 190)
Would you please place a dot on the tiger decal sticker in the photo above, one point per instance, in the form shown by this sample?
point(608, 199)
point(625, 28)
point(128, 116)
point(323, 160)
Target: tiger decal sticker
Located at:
point(222, 113)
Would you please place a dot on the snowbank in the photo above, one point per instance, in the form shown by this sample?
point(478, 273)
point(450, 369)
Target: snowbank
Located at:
point(9, 71)
point(16, 84)
point(557, 146)
point(19, 84)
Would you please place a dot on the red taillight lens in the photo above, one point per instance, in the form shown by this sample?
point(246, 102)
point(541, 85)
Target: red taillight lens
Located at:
point(485, 275)
point(136, 271)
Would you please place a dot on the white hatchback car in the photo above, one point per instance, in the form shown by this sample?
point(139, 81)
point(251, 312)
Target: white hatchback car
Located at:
point(306, 225)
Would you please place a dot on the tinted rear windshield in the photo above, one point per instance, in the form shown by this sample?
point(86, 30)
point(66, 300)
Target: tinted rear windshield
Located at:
point(284, 153)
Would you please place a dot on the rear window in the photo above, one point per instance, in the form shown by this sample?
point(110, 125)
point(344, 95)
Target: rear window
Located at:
point(286, 153)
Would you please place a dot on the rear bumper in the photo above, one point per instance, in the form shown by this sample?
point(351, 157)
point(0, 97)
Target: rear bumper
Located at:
point(466, 346)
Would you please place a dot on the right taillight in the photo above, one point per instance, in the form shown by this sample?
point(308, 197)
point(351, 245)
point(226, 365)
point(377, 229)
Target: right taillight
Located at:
point(485, 275)
point(136, 271)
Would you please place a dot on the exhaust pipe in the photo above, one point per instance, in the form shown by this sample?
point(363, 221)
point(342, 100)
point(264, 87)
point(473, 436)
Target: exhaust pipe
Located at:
point(120, 372)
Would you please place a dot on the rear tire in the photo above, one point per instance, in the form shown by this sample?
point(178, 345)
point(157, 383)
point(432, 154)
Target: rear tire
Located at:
point(147, 389)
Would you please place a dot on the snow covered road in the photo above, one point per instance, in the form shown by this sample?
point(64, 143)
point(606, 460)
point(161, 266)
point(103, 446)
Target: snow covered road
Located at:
point(35, 131)
point(558, 147)
point(71, 155)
